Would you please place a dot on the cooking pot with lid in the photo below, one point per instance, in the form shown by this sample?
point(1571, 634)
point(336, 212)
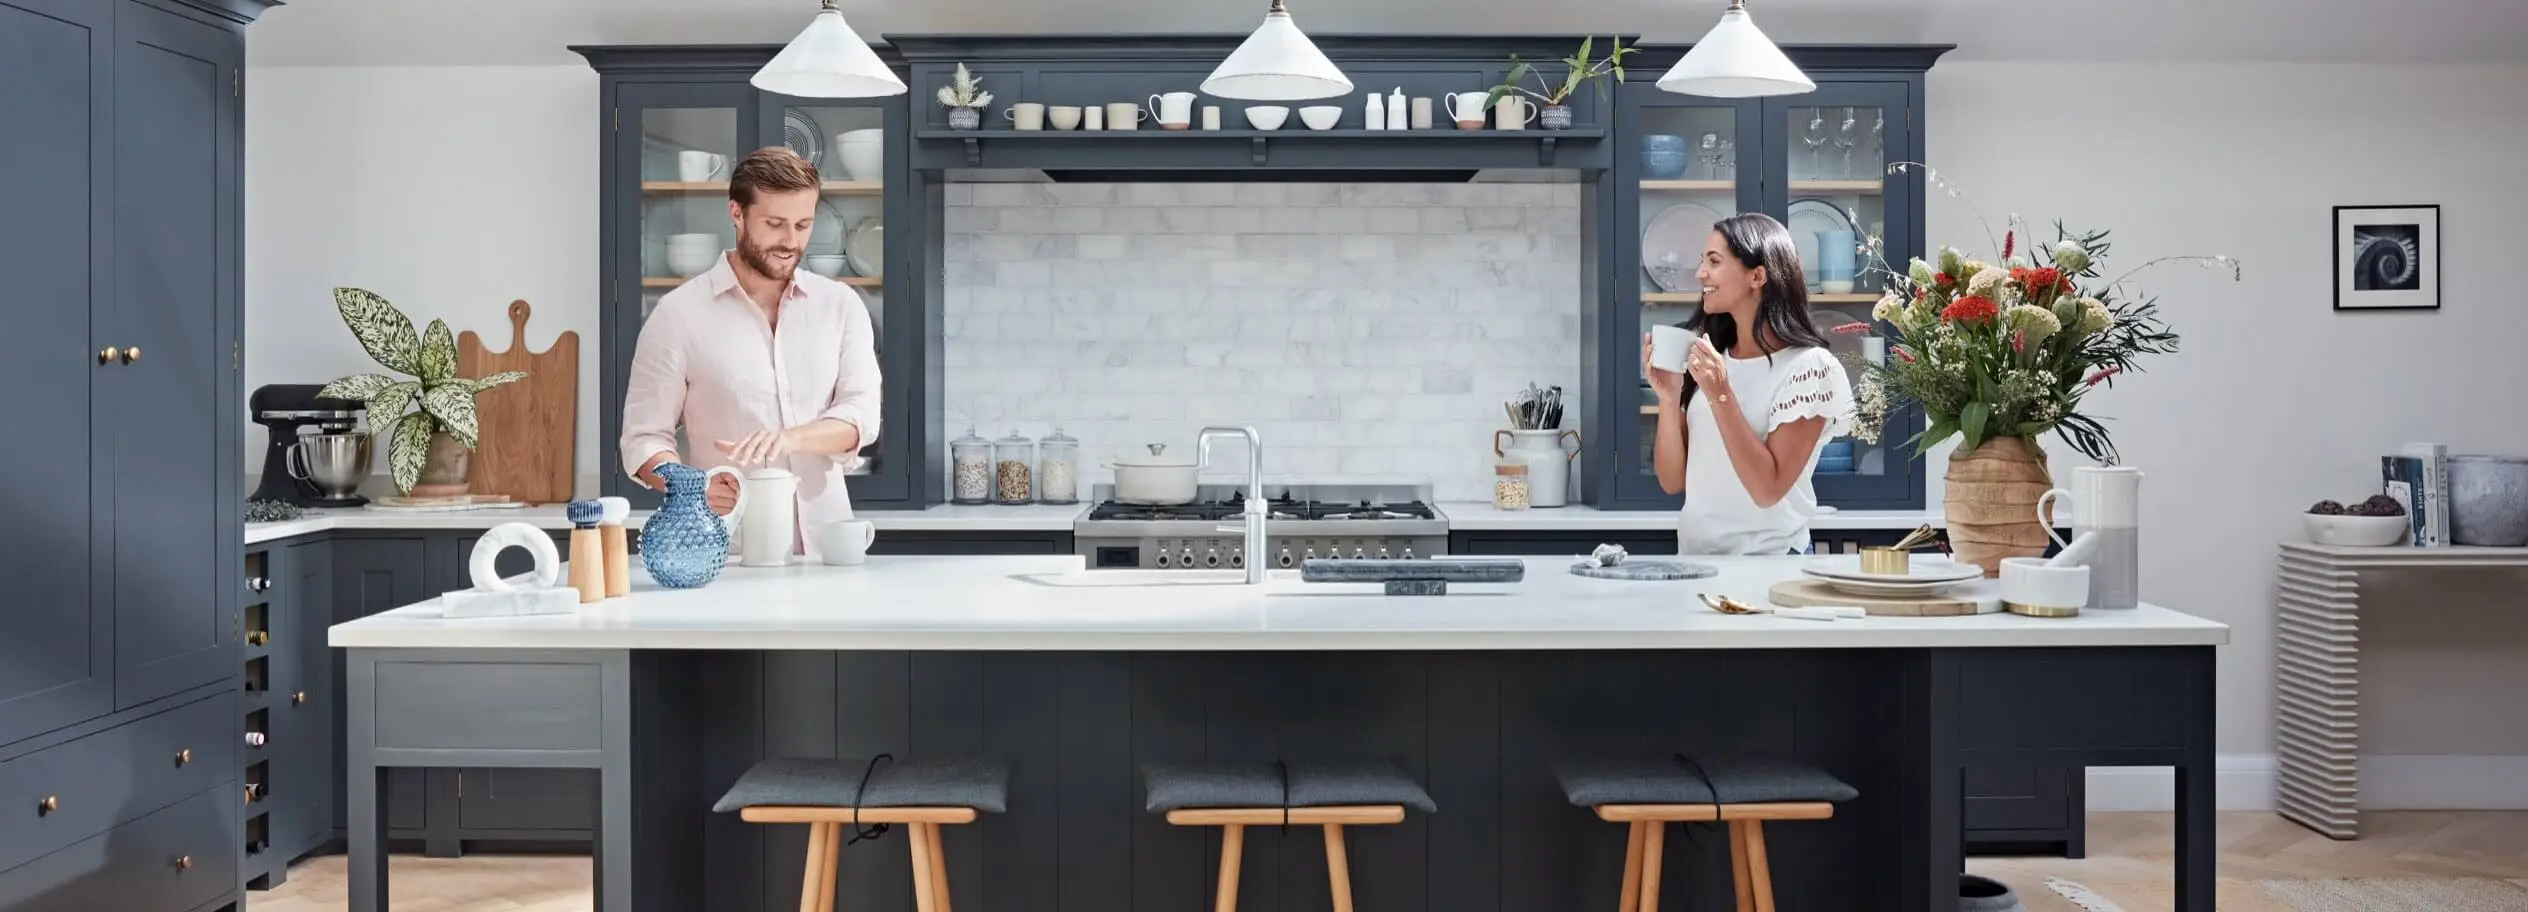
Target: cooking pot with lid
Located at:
point(1155, 478)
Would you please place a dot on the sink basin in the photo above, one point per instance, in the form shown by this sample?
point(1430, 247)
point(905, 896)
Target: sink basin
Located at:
point(1134, 578)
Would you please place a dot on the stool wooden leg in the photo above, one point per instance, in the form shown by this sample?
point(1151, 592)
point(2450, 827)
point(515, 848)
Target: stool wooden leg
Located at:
point(1739, 877)
point(1338, 868)
point(1759, 870)
point(1631, 899)
point(1654, 845)
point(939, 867)
point(816, 885)
point(925, 884)
point(1232, 851)
point(831, 867)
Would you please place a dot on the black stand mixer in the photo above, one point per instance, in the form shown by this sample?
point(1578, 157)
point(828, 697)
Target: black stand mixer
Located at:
point(319, 469)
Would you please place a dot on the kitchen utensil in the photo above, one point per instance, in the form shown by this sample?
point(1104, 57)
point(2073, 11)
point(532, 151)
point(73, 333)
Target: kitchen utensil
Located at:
point(1320, 117)
point(845, 543)
point(766, 516)
point(2030, 587)
point(612, 511)
point(1426, 576)
point(1173, 110)
point(1058, 469)
point(286, 410)
point(1154, 479)
point(1466, 108)
point(588, 551)
point(334, 464)
point(1513, 112)
point(1673, 242)
point(1668, 347)
point(1548, 462)
point(1896, 559)
point(697, 167)
point(1267, 117)
point(864, 154)
point(1026, 115)
point(1124, 115)
point(684, 544)
point(2344, 531)
point(2077, 553)
point(2107, 501)
point(1644, 569)
point(1965, 599)
point(803, 136)
point(524, 431)
point(1063, 117)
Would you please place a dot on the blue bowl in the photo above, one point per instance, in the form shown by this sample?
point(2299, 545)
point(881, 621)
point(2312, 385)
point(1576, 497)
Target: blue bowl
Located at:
point(1663, 156)
point(1834, 465)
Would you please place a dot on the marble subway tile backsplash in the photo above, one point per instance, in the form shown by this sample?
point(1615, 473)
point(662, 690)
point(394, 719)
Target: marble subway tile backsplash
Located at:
point(1366, 330)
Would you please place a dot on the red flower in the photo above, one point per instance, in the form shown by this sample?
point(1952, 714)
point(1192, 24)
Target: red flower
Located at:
point(1919, 292)
point(2008, 238)
point(1853, 328)
point(2019, 341)
point(2042, 278)
point(1904, 354)
point(2101, 376)
point(1971, 309)
point(1942, 279)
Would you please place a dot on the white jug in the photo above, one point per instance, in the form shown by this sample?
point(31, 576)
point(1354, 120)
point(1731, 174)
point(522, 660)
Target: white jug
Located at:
point(1466, 107)
point(767, 517)
point(2106, 504)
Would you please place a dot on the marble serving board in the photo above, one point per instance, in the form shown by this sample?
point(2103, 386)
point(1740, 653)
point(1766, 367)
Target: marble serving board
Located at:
point(1964, 599)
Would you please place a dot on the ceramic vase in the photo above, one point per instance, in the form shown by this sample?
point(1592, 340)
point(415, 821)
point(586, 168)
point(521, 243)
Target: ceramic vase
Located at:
point(684, 544)
point(1990, 502)
point(1554, 117)
point(443, 469)
point(964, 118)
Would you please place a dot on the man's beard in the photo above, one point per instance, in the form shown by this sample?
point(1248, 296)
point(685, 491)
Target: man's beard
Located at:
point(759, 258)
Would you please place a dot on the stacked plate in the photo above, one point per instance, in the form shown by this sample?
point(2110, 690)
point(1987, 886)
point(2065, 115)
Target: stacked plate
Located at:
point(1925, 576)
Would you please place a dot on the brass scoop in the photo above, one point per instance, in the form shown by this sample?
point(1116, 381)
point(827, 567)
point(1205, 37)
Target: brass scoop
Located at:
point(1726, 605)
point(1896, 559)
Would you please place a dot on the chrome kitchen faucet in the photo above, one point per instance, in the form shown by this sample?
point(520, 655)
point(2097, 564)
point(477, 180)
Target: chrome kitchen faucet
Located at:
point(1255, 509)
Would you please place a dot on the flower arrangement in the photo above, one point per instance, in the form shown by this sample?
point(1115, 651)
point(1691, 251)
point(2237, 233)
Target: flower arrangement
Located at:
point(2007, 349)
point(964, 96)
point(440, 428)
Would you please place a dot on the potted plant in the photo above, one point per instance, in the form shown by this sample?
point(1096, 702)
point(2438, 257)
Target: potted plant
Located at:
point(434, 440)
point(1999, 354)
point(965, 99)
point(1577, 69)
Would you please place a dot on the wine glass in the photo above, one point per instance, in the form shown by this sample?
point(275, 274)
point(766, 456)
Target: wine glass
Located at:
point(1728, 158)
point(1709, 155)
point(1816, 136)
point(1847, 135)
point(1878, 145)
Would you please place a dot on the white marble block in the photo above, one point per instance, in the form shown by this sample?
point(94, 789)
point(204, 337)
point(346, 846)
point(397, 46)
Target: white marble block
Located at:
point(534, 592)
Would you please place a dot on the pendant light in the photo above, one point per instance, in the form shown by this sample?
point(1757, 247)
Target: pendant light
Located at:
point(1735, 60)
point(828, 60)
point(1277, 63)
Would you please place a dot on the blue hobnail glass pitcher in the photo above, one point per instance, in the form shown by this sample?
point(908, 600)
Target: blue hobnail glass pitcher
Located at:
point(684, 544)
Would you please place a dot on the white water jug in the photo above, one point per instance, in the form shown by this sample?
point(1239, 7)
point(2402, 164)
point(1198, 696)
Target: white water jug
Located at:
point(767, 517)
point(2106, 503)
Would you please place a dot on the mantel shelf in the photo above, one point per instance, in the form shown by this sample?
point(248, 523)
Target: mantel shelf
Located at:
point(1260, 140)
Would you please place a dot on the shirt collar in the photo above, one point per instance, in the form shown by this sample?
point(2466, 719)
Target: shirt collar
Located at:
point(723, 281)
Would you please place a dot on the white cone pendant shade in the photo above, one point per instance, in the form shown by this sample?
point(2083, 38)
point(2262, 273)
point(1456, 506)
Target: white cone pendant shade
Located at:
point(1277, 63)
point(1735, 60)
point(828, 60)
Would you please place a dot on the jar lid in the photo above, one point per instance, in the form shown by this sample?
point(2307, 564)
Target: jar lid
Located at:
point(971, 438)
point(1058, 437)
point(1509, 468)
point(1014, 439)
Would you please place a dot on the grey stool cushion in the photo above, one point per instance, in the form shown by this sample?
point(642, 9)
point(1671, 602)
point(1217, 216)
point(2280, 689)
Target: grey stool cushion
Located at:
point(979, 784)
point(1258, 785)
point(1589, 783)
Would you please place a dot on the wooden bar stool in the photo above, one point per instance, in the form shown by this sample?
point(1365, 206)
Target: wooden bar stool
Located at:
point(834, 796)
point(1647, 796)
point(1328, 795)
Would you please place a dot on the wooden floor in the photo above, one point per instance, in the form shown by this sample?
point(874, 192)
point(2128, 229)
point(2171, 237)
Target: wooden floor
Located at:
point(2254, 845)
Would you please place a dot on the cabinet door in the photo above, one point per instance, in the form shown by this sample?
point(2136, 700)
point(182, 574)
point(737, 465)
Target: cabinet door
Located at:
point(303, 704)
point(175, 167)
point(1827, 180)
point(662, 134)
point(56, 664)
point(373, 575)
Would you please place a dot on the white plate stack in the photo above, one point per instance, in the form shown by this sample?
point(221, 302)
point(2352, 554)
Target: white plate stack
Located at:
point(1921, 577)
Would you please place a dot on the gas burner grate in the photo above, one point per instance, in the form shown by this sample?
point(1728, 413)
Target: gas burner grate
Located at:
point(1280, 508)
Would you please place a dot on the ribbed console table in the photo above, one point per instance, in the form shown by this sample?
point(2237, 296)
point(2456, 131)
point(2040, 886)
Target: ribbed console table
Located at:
point(2317, 671)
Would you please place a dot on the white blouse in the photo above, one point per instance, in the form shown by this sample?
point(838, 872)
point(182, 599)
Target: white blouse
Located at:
point(1719, 516)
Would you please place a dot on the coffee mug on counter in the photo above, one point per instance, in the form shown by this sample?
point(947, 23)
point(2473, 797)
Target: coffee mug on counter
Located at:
point(1026, 115)
point(1467, 109)
point(1124, 115)
point(696, 167)
point(846, 542)
point(1173, 110)
point(1063, 117)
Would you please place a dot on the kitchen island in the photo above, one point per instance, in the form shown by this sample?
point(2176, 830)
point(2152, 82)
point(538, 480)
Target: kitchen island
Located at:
point(1080, 677)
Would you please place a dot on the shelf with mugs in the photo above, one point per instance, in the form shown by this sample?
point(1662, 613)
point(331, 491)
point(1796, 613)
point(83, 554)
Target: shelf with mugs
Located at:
point(1337, 147)
point(831, 187)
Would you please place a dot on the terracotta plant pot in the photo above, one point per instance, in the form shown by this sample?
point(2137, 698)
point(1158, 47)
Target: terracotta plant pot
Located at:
point(1991, 502)
point(443, 472)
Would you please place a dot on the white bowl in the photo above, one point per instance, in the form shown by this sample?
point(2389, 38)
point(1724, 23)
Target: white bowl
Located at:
point(2355, 531)
point(863, 154)
point(691, 262)
point(829, 265)
point(1320, 117)
point(1267, 117)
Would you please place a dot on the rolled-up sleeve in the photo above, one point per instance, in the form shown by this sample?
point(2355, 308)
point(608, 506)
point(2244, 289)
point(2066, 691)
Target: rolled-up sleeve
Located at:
point(654, 395)
point(857, 383)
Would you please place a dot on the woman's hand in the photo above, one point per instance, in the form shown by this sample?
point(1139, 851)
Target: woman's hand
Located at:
point(1667, 385)
point(1710, 374)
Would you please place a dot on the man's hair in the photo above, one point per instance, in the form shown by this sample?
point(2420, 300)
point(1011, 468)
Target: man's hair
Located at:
point(773, 169)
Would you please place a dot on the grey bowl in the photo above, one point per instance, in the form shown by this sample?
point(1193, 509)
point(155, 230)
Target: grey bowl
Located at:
point(2488, 501)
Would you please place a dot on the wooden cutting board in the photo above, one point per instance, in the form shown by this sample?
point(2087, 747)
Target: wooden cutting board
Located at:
point(1809, 593)
point(527, 431)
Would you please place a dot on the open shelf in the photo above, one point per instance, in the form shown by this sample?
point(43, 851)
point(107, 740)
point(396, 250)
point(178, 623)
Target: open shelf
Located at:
point(673, 281)
point(850, 188)
point(1862, 187)
point(1814, 297)
point(1291, 130)
point(1714, 186)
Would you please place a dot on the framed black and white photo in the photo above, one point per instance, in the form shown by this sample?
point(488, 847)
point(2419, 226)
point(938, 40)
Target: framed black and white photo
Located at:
point(2387, 257)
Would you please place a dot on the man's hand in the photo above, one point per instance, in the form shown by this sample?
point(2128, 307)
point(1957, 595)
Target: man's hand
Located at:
point(648, 475)
point(758, 448)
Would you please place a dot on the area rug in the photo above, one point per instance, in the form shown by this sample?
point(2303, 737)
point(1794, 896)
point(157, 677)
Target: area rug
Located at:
point(2457, 894)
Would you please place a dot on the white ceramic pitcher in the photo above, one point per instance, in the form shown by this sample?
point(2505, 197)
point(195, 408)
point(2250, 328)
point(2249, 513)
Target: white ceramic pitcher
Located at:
point(2106, 504)
point(767, 517)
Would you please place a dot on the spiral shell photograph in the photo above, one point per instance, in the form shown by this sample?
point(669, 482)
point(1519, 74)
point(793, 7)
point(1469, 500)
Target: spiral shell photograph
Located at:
point(2387, 257)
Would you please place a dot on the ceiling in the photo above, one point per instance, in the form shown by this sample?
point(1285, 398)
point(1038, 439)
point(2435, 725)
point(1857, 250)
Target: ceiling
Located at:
point(494, 32)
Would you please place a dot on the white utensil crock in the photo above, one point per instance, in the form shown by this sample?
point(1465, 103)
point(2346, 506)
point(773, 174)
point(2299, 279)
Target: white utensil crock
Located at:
point(1548, 463)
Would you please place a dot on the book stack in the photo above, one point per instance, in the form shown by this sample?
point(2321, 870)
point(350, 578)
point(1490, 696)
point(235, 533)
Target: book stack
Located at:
point(2417, 476)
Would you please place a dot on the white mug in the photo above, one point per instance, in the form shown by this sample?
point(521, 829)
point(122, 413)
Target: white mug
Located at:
point(1466, 108)
point(1026, 115)
point(1124, 115)
point(696, 167)
point(1174, 110)
point(1093, 118)
point(845, 542)
point(1512, 113)
point(1669, 346)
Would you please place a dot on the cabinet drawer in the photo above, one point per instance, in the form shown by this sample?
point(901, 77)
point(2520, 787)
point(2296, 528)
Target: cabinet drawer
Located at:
point(69, 792)
point(177, 858)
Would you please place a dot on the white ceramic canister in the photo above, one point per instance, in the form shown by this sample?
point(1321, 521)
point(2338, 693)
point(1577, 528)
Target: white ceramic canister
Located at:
point(1548, 462)
point(768, 519)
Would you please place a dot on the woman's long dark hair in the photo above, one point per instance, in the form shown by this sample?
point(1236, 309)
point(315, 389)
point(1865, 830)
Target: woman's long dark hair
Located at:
point(1755, 239)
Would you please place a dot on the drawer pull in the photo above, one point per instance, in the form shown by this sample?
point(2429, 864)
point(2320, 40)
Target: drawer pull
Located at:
point(50, 804)
point(298, 698)
point(254, 739)
point(184, 862)
point(257, 637)
point(184, 756)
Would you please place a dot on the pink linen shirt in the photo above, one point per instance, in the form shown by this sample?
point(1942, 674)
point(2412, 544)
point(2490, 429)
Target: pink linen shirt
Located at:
point(709, 359)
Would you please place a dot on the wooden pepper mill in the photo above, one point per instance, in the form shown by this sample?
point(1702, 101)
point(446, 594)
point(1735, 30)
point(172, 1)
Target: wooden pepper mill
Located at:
point(613, 511)
point(588, 551)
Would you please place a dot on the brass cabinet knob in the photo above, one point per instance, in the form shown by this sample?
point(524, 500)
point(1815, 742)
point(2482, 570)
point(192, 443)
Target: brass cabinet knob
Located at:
point(106, 355)
point(131, 354)
point(50, 804)
point(257, 637)
point(184, 862)
point(184, 756)
point(298, 698)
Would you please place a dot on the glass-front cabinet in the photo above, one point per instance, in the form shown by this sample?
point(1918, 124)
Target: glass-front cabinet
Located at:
point(674, 130)
point(1818, 163)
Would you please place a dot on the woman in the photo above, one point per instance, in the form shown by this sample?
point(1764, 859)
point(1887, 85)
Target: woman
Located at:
point(1766, 395)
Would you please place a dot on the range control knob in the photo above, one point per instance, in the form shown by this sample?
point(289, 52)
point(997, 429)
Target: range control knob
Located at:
point(1237, 558)
point(1285, 559)
point(1186, 559)
point(1382, 554)
point(1358, 554)
point(1166, 560)
point(1311, 555)
point(1212, 559)
point(1408, 552)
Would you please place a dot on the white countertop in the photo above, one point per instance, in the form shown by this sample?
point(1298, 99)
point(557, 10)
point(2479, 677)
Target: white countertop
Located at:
point(1032, 518)
point(1481, 515)
point(980, 603)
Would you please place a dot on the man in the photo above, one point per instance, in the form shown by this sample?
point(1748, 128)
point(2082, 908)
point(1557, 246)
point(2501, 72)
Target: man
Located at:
point(763, 364)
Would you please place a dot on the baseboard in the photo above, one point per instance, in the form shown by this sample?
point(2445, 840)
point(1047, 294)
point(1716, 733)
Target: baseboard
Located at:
point(2245, 782)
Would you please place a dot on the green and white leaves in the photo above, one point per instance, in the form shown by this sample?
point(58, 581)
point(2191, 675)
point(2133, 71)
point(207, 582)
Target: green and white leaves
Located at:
point(390, 403)
point(409, 450)
point(503, 378)
point(452, 404)
point(382, 330)
point(438, 354)
point(363, 387)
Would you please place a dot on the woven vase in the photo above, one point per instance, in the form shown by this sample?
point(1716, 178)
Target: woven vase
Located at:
point(1991, 502)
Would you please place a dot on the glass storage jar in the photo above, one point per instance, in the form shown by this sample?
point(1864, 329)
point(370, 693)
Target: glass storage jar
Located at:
point(970, 463)
point(1058, 469)
point(1509, 485)
point(1013, 470)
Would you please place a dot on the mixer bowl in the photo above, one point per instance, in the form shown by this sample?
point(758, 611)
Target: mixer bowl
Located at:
point(335, 464)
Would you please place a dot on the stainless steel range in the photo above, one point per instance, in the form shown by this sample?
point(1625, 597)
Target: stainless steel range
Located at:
point(1302, 521)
